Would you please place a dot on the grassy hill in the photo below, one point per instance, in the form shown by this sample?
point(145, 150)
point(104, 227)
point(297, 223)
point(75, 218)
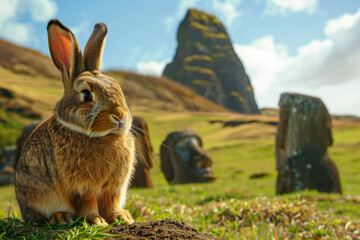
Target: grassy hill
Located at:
point(235, 206)
point(30, 86)
point(152, 93)
point(26, 61)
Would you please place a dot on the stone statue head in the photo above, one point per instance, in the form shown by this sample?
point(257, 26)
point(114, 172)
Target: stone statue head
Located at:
point(183, 160)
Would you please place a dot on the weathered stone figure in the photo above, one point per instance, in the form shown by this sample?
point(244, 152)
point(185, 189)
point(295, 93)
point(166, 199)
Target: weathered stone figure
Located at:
point(7, 157)
point(183, 160)
point(144, 154)
point(303, 135)
point(27, 130)
point(10, 156)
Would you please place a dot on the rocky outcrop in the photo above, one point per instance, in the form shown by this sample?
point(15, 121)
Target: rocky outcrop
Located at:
point(205, 61)
point(303, 135)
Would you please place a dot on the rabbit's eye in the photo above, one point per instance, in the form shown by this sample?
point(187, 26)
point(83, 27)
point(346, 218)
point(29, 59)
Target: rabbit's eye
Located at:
point(86, 96)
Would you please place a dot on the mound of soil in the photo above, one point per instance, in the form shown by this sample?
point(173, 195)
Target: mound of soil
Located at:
point(162, 229)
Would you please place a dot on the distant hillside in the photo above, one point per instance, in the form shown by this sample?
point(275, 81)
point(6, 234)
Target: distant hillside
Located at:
point(33, 89)
point(274, 112)
point(30, 85)
point(26, 61)
point(161, 94)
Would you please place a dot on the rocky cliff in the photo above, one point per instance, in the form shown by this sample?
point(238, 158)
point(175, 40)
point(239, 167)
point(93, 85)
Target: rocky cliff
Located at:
point(205, 61)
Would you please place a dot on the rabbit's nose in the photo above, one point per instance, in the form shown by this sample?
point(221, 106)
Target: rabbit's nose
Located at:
point(115, 119)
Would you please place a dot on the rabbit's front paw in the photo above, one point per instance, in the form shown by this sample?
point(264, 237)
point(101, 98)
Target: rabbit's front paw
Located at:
point(124, 215)
point(96, 220)
point(61, 218)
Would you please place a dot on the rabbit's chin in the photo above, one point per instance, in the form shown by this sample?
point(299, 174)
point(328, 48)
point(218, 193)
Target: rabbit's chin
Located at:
point(115, 131)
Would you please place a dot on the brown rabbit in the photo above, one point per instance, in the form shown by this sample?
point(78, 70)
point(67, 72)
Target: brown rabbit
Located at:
point(78, 163)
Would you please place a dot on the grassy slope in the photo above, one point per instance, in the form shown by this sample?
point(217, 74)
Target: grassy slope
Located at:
point(219, 207)
point(230, 208)
point(39, 92)
point(10, 127)
point(27, 61)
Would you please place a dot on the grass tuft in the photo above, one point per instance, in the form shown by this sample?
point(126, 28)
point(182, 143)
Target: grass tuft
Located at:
point(14, 228)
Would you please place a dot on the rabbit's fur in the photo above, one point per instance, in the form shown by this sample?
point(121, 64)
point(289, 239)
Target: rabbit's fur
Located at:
point(78, 163)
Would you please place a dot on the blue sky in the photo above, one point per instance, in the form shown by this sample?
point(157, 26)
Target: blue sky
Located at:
point(306, 46)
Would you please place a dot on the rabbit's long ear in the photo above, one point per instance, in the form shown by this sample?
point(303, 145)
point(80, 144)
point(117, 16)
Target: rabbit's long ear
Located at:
point(65, 52)
point(94, 48)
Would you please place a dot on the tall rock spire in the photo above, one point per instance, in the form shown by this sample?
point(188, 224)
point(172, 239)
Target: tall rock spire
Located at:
point(205, 61)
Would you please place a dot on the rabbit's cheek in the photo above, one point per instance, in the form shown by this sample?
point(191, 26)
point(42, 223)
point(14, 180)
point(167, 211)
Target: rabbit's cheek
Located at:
point(86, 106)
point(84, 112)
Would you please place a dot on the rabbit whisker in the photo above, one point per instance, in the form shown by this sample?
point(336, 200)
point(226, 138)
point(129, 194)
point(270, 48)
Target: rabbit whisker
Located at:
point(142, 137)
point(87, 169)
point(110, 163)
point(143, 159)
point(152, 138)
point(136, 103)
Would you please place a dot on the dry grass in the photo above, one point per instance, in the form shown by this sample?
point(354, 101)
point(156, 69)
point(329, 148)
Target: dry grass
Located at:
point(162, 94)
point(26, 61)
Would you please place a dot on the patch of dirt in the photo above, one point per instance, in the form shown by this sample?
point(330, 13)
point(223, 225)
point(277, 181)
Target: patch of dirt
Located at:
point(234, 123)
point(162, 229)
point(259, 175)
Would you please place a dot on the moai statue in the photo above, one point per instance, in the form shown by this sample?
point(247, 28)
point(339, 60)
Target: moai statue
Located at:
point(303, 135)
point(144, 154)
point(27, 130)
point(183, 160)
point(10, 156)
point(7, 158)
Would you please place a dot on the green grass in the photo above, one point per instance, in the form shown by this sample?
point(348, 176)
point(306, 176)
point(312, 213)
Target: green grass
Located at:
point(234, 206)
point(39, 91)
point(11, 125)
point(14, 228)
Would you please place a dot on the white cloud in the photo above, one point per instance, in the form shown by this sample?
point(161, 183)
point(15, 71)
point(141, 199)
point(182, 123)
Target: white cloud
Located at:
point(228, 10)
point(23, 32)
point(185, 5)
point(282, 7)
point(82, 32)
point(41, 10)
point(171, 21)
point(327, 68)
point(153, 68)
point(263, 59)
point(343, 27)
point(19, 33)
point(8, 10)
point(83, 27)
